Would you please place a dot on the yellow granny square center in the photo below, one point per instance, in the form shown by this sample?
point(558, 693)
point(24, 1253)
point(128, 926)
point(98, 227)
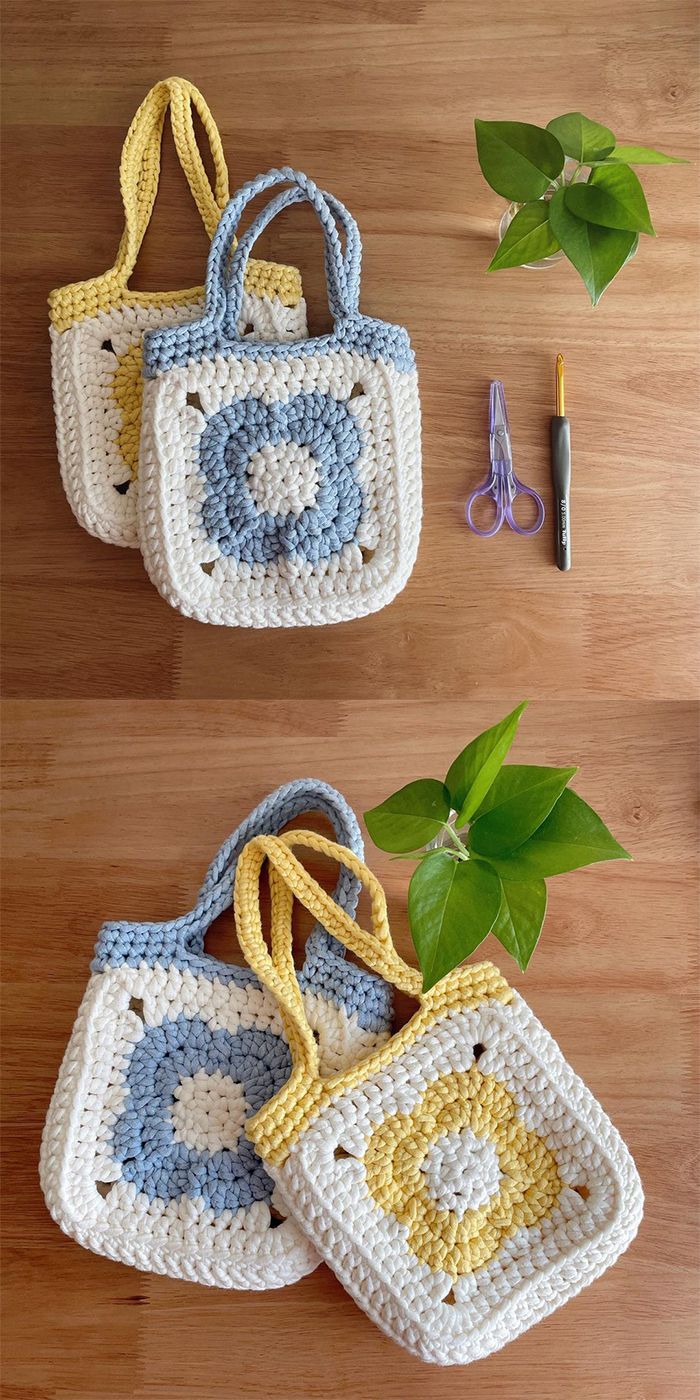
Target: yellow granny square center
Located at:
point(461, 1172)
point(127, 392)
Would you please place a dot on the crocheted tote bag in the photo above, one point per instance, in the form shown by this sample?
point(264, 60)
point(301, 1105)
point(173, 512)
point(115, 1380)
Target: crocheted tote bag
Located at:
point(281, 483)
point(461, 1181)
point(97, 325)
point(143, 1155)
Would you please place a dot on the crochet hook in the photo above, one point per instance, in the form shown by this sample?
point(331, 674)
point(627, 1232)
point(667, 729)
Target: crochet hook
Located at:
point(561, 473)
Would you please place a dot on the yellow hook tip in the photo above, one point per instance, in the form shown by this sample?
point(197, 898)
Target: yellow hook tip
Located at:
point(560, 386)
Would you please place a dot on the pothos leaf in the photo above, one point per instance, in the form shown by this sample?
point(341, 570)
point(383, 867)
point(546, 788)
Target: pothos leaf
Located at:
point(476, 767)
point(517, 804)
point(520, 918)
point(518, 160)
point(411, 817)
point(528, 238)
point(597, 253)
point(452, 905)
point(582, 139)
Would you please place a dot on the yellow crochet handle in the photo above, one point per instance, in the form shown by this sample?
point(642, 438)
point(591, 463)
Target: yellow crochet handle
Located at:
point(289, 880)
point(139, 169)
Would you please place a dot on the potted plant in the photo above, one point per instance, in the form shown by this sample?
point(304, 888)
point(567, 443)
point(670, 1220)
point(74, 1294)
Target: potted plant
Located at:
point(556, 208)
point(486, 840)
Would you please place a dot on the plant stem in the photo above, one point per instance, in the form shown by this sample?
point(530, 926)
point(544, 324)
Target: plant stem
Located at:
point(464, 854)
point(412, 855)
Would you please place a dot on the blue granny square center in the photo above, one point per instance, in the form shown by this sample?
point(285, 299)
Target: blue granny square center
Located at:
point(148, 1137)
point(281, 479)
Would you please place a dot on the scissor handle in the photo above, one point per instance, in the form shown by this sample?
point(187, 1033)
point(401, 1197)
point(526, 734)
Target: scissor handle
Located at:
point(492, 487)
point(521, 490)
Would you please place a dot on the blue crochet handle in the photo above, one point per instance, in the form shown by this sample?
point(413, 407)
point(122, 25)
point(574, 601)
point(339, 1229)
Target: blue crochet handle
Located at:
point(280, 807)
point(285, 804)
point(185, 935)
point(352, 256)
point(342, 270)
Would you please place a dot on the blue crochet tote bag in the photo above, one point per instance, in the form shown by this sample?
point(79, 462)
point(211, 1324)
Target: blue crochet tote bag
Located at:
point(280, 483)
point(144, 1156)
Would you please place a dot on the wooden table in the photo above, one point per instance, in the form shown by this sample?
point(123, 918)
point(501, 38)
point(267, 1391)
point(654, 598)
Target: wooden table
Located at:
point(134, 739)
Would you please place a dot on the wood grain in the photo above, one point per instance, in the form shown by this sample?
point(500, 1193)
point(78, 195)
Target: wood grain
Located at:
point(376, 98)
point(115, 812)
point(134, 739)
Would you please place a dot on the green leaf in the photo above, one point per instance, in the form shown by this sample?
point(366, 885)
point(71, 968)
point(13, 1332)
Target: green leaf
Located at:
point(612, 197)
point(573, 835)
point(520, 799)
point(411, 817)
point(514, 779)
point(581, 138)
point(476, 767)
point(642, 155)
point(452, 905)
point(597, 253)
point(519, 161)
point(527, 238)
point(520, 918)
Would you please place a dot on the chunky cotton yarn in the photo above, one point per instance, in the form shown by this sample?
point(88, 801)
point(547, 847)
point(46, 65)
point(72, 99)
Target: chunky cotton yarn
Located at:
point(462, 1182)
point(144, 1155)
point(97, 326)
point(280, 483)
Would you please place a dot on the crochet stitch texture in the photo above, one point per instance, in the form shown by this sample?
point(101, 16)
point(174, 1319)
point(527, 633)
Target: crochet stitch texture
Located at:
point(461, 1181)
point(144, 1154)
point(97, 325)
point(280, 483)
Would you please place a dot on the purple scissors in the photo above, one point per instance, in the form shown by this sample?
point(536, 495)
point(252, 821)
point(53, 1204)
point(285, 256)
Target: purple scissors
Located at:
point(502, 483)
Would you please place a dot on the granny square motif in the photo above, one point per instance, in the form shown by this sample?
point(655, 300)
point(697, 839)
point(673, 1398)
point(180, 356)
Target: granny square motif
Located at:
point(97, 325)
point(462, 1182)
point(144, 1155)
point(280, 483)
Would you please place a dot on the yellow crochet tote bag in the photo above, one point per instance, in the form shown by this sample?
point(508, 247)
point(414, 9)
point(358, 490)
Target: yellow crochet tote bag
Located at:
point(97, 325)
point(461, 1181)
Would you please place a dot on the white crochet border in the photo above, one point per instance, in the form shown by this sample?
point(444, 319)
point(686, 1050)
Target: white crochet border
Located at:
point(183, 1239)
point(88, 421)
point(368, 1251)
point(291, 593)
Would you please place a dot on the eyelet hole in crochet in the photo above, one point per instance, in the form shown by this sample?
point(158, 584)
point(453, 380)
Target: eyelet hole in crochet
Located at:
point(194, 401)
point(583, 1192)
point(341, 1152)
point(357, 391)
point(450, 1298)
point(107, 345)
point(248, 328)
point(103, 1188)
point(276, 1217)
point(478, 1050)
point(208, 566)
point(136, 1004)
point(122, 487)
point(367, 554)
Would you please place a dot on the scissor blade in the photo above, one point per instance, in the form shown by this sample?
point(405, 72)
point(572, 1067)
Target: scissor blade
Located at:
point(501, 454)
point(499, 412)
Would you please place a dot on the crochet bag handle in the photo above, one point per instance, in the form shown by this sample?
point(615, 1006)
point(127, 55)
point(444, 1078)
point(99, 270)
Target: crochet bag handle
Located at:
point(184, 937)
point(139, 168)
point(285, 804)
point(342, 269)
point(292, 800)
point(338, 296)
point(289, 879)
